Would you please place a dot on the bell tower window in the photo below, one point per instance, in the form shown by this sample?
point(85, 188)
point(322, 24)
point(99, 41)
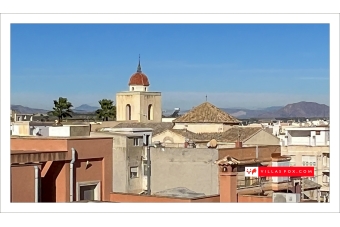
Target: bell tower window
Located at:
point(128, 112)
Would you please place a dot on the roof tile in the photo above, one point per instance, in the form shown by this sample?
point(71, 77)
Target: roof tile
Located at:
point(206, 113)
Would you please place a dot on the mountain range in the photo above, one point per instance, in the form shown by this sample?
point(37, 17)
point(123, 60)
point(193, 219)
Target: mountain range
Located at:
point(300, 109)
point(84, 108)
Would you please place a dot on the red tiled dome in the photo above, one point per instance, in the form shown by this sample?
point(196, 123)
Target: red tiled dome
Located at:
point(140, 79)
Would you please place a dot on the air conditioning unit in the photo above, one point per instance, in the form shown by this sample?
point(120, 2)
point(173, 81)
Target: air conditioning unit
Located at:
point(286, 197)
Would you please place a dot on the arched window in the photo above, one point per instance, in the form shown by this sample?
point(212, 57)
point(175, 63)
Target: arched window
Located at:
point(150, 112)
point(128, 112)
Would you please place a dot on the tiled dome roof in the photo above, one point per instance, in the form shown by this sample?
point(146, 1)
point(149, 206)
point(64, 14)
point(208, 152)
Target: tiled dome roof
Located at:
point(139, 78)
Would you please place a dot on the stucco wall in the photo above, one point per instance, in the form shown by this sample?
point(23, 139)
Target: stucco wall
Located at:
point(134, 159)
point(22, 184)
point(139, 102)
point(263, 138)
point(123, 99)
point(246, 153)
point(169, 137)
point(179, 167)
point(254, 199)
point(120, 172)
point(60, 131)
point(200, 127)
point(133, 198)
point(83, 130)
point(155, 99)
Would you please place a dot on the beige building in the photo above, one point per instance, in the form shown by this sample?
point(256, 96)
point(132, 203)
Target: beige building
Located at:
point(317, 156)
point(247, 135)
point(309, 146)
point(139, 104)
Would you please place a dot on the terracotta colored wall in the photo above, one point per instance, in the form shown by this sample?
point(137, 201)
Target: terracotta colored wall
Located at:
point(211, 199)
point(99, 153)
point(38, 144)
point(55, 185)
point(94, 172)
point(22, 184)
point(245, 153)
point(254, 199)
point(134, 198)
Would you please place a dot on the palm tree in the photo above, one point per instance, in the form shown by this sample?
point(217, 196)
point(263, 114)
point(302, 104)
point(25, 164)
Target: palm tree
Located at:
point(107, 110)
point(61, 109)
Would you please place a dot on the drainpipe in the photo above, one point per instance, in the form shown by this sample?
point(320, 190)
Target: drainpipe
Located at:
point(36, 184)
point(71, 173)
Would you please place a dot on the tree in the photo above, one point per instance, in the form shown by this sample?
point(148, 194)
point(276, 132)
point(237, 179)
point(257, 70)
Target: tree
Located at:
point(61, 109)
point(107, 110)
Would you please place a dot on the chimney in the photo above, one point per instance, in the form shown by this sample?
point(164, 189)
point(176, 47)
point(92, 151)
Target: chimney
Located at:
point(238, 144)
point(228, 185)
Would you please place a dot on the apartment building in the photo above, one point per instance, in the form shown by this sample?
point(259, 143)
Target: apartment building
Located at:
point(309, 146)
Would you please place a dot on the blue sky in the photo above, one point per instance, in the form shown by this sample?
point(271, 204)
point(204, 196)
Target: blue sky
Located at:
point(236, 65)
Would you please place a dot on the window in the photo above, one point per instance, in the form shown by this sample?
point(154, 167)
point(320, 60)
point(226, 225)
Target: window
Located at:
point(325, 178)
point(135, 142)
point(325, 160)
point(88, 191)
point(128, 112)
point(133, 172)
point(150, 112)
point(317, 133)
point(309, 160)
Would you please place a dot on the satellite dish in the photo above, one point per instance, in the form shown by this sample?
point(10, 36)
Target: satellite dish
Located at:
point(36, 131)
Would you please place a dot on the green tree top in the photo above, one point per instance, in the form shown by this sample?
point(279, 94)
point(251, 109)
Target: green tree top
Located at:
point(107, 110)
point(61, 109)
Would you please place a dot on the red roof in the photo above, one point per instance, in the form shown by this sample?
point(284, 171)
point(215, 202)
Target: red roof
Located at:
point(140, 79)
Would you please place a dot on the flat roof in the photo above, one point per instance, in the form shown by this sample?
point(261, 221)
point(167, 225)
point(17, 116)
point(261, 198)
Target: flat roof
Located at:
point(59, 137)
point(325, 128)
point(111, 129)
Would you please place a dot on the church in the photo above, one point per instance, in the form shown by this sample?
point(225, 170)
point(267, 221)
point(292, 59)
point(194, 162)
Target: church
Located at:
point(138, 104)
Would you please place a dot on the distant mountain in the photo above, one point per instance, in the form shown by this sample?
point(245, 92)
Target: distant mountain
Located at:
point(300, 109)
point(27, 110)
point(272, 108)
point(84, 108)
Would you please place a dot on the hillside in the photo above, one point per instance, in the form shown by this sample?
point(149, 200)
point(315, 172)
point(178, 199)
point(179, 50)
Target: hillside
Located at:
point(27, 110)
point(84, 108)
point(300, 109)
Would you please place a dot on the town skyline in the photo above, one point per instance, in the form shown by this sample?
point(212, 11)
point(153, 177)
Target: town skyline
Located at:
point(235, 65)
